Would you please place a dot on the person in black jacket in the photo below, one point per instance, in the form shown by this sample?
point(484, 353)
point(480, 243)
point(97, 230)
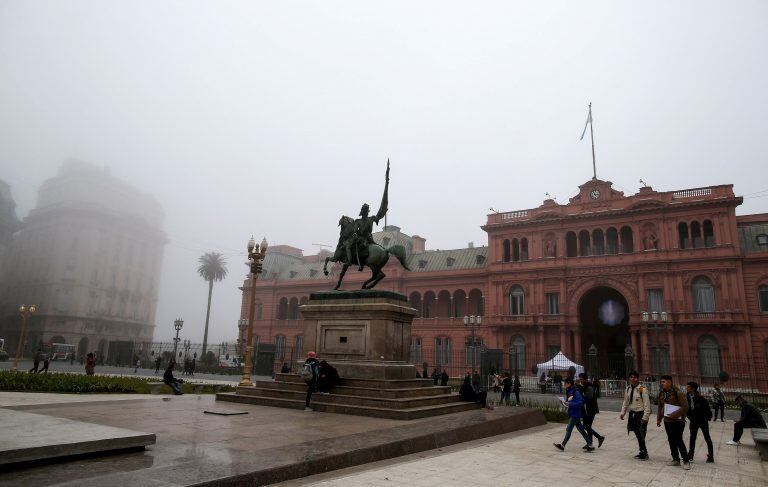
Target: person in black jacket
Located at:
point(435, 376)
point(750, 418)
point(516, 389)
point(590, 408)
point(506, 389)
point(467, 393)
point(699, 415)
point(173, 382)
point(444, 378)
point(327, 377)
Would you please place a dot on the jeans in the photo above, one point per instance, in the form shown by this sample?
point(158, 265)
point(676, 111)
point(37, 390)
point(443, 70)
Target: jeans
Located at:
point(311, 386)
point(675, 439)
point(704, 426)
point(504, 395)
point(720, 406)
point(176, 388)
point(568, 429)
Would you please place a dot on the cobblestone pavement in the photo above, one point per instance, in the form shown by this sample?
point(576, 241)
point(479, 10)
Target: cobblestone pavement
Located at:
point(528, 458)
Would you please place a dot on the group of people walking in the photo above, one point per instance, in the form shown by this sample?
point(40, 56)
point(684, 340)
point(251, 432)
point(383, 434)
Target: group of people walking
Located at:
point(675, 407)
point(40, 356)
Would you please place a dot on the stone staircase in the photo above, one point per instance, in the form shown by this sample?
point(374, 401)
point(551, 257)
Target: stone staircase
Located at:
point(403, 399)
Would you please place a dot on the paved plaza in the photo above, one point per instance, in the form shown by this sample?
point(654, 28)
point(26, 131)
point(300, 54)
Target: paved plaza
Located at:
point(186, 439)
point(528, 458)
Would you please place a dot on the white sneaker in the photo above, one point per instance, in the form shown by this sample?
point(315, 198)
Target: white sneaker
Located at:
point(308, 409)
point(733, 443)
point(687, 465)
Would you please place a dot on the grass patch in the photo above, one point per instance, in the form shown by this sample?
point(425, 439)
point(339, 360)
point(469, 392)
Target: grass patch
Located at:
point(84, 384)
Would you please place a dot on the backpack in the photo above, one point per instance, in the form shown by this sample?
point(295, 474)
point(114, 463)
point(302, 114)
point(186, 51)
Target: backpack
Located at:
point(307, 373)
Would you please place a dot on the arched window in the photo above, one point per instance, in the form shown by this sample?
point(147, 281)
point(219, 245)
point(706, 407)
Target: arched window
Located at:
point(585, 249)
point(304, 300)
point(696, 235)
point(282, 309)
point(515, 250)
point(476, 302)
point(279, 347)
point(762, 297)
point(703, 295)
point(612, 241)
point(298, 346)
point(571, 247)
point(598, 244)
point(293, 309)
point(523, 248)
point(627, 246)
point(459, 303)
point(442, 351)
point(516, 300)
point(709, 357)
point(58, 339)
point(682, 232)
point(415, 302)
point(473, 349)
point(709, 234)
point(506, 255)
point(428, 306)
point(444, 304)
point(517, 355)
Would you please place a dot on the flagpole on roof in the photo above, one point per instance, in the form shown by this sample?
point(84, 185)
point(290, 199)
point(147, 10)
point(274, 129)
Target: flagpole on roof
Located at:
point(592, 136)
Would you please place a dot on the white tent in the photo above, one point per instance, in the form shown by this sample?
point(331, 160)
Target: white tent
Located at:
point(559, 362)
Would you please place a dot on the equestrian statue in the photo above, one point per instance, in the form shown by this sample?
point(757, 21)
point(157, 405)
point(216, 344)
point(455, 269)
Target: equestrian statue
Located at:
point(356, 245)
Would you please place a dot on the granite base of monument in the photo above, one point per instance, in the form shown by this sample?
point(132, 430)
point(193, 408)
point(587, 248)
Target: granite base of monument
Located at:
point(366, 336)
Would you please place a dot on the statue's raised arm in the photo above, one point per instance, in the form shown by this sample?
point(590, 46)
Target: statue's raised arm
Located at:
point(384, 199)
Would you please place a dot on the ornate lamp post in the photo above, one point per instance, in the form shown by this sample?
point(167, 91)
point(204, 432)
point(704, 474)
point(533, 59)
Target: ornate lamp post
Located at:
point(473, 321)
point(629, 360)
point(592, 357)
point(242, 325)
point(25, 312)
point(655, 321)
point(177, 324)
point(256, 258)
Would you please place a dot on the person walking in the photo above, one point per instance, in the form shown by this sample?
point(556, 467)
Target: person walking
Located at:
point(36, 362)
point(543, 383)
point(750, 418)
point(46, 362)
point(718, 401)
point(506, 389)
point(309, 373)
point(516, 389)
point(637, 402)
point(90, 363)
point(173, 382)
point(444, 378)
point(158, 362)
point(574, 402)
point(192, 366)
point(591, 409)
point(699, 415)
point(674, 421)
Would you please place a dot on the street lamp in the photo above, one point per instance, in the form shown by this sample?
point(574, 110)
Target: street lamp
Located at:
point(242, 325)
point(473, 321)
point(256, 258)
point(659, 322)
point(592, 354)
point(178, 323)
point(25, 312)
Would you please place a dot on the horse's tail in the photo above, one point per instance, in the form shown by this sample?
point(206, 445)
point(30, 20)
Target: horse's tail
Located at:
point(399, 252)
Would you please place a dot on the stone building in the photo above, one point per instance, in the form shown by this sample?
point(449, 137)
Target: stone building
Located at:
point(9, 223)
point(89, 256)
point(595, 278)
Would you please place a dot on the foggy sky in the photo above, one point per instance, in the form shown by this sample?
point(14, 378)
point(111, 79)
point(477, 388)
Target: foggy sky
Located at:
point(274, 118)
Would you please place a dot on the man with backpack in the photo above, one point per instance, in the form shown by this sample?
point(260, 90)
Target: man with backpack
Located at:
point(638, 403)
point(700, 415)
point(309, 374)
point(674, 420)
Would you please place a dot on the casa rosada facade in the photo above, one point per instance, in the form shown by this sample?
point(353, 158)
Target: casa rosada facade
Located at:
point(664, 282)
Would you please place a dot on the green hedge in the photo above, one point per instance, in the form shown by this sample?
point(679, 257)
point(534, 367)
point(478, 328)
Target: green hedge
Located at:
point(78, 383)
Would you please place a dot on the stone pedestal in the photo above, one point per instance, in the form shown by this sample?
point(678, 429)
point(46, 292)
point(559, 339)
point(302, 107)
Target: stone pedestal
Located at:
point(365, 334)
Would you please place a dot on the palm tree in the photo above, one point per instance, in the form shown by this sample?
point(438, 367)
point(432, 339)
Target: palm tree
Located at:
point(213, 267)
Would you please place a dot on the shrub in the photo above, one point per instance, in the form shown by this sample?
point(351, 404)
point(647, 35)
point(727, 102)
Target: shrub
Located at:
point(78, 383)
point(552, 412)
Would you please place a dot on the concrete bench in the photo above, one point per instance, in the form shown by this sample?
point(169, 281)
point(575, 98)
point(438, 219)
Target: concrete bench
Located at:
point(760, 436)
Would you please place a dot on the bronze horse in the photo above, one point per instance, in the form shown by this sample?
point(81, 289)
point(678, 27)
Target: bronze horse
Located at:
point(375, 258)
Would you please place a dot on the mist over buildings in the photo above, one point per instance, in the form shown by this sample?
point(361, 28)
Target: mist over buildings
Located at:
point(273, 120)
